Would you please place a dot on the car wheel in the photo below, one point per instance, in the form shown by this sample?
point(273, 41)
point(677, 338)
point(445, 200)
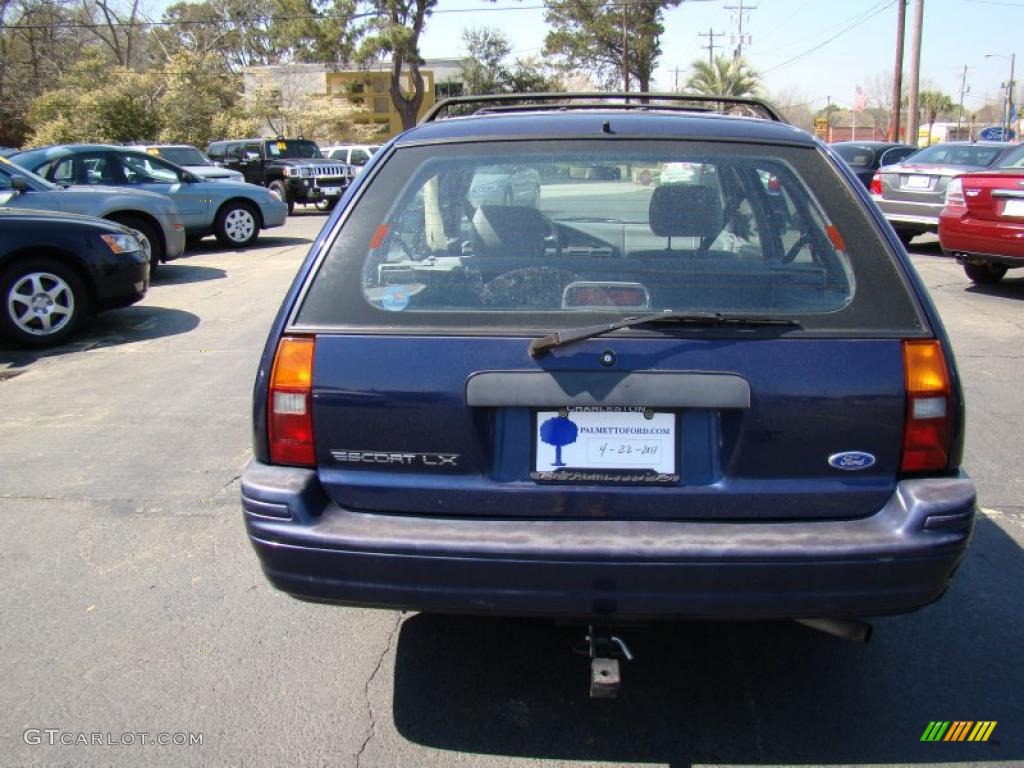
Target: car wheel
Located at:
point(985, 274)
point(282, 192)
point(152, 242)
point(326, 203)
point(237, 224)
point(44, 302)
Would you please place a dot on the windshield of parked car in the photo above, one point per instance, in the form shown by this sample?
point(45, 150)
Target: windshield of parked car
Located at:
point(621, 229)
point(969, 155)
point(8, 169)
point(182, 155)
point(293, 149)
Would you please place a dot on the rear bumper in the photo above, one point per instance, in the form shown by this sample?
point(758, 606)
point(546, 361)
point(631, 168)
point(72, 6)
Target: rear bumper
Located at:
point(174, 236)
point(897, 560)
point(975, 240)
point(902, 214)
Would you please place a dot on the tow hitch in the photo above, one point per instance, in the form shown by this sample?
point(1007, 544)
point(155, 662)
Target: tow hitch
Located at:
point(602, 648)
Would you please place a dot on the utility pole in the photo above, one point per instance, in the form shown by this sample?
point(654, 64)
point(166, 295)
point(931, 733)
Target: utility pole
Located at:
point(1009, 99)
point(964, 88)
point(915, 71)
point(828, 117)
point(739, 38)
point(625, 48)
point(710, 47)
point(897, 75)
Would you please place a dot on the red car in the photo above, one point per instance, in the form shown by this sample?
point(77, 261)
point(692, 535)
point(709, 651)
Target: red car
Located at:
point(982, 223)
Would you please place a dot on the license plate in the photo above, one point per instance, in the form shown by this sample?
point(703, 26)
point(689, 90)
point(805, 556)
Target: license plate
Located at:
point(918, 182)
point(331, 191)
point(1013, 208)
point(629, 444)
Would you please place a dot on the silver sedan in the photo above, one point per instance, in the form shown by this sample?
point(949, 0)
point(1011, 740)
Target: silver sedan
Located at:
point(234, 212)
point(910, 194)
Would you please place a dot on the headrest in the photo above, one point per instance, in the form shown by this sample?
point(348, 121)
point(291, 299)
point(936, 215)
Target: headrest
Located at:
point(509, 230)
point(685, 210)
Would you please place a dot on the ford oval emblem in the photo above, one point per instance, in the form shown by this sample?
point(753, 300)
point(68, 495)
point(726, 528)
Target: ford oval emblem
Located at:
point(851, 460)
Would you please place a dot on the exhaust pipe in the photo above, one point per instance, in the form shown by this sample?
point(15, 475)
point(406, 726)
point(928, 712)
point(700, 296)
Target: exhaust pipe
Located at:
point(854, 630)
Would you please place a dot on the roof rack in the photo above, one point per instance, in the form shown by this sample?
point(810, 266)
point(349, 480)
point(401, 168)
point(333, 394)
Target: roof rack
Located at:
point(461, 106)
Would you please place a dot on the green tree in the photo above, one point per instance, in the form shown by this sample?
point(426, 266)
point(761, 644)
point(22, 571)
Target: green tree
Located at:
point(199, 102)
point(395, 31)
point(611, 41)
point(486, 68)
point(932, 104)
point(726, 76)
point(249, 33)
point(95, 101)
point(37, 46)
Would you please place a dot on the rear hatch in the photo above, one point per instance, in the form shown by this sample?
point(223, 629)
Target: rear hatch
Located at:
point(995, 196)
point(779, 393)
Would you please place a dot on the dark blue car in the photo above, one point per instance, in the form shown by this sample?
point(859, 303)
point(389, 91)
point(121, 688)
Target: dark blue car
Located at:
point(724, 396)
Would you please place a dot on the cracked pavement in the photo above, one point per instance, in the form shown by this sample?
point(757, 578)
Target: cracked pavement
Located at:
point(132, 602)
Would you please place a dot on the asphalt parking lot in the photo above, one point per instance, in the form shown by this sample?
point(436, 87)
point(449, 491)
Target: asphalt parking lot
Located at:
point(133, 607)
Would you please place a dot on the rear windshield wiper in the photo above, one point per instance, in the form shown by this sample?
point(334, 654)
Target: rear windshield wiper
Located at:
point(698, 319)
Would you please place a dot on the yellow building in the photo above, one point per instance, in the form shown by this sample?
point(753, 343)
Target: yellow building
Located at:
point(369, 89)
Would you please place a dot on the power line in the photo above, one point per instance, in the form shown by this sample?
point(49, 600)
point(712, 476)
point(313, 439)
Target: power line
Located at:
point(816, 35)
point(255, 19)
point(871, 14)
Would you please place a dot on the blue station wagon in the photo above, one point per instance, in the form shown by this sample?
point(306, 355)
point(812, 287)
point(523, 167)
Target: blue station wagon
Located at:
point(722, 396)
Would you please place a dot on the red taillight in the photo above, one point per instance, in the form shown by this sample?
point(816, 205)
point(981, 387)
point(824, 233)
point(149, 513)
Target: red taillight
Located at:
point(954, 200)
point(926, 434)
point(876, 184)
point(290, 401)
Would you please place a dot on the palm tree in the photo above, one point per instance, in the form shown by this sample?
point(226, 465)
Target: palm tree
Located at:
point(933, 104)
point(725, 76)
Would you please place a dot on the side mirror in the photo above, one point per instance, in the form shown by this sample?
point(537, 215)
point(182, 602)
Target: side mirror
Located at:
point(18, 184)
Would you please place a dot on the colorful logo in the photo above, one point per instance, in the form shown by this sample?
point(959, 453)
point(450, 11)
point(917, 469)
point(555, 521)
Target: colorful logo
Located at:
point(959, 730)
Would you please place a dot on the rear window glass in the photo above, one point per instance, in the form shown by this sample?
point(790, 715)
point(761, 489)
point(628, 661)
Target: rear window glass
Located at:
point(1013, 160)
point(959, 154)
point(499, 234)
point(857, 157)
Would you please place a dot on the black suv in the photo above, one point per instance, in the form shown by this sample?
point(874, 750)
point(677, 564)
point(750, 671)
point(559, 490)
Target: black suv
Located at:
point(726, 396)
point(294, 168)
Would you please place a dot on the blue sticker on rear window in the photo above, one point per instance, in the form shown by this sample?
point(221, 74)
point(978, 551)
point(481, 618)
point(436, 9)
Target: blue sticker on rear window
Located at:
point(395, 299)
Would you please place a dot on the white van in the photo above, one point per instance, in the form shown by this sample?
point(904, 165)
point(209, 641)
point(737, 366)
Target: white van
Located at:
point(356, 155)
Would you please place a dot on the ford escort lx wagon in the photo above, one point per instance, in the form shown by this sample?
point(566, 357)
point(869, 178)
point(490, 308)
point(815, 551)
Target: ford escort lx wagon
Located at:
point(724, 395)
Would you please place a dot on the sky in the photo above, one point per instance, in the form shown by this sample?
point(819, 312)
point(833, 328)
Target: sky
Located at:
point(814, 49)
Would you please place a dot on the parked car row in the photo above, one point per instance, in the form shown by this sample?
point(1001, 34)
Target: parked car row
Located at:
point(83, 226)
point(971, 194)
